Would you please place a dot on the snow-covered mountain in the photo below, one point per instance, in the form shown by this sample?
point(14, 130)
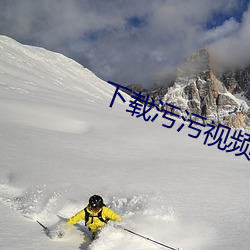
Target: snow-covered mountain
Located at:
point(61, 142)
point(200, 89)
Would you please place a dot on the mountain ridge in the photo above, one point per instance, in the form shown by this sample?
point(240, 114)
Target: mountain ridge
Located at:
point(198, 88)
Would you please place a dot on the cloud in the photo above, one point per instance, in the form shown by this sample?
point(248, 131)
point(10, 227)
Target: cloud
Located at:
point(228, 28)
point(233, 49)
point(124, 41)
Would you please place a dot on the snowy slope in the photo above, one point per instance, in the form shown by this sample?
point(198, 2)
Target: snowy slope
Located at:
point(61, 142)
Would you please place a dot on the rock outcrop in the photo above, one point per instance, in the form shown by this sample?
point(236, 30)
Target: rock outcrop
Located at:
point(198, 90)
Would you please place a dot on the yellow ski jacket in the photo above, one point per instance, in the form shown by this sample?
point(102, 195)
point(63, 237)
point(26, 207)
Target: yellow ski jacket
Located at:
point(94, 223)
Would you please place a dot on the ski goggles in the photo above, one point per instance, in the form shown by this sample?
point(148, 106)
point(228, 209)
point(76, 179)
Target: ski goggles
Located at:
point(94, 208)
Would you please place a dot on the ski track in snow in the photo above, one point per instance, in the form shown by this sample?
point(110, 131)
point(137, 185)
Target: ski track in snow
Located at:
point(145, 214)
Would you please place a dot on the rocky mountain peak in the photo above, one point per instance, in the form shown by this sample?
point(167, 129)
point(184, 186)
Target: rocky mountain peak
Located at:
point(197, 64)
point(198, 90)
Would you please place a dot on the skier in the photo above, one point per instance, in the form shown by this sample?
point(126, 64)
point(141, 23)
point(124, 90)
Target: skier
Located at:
point(95, 214)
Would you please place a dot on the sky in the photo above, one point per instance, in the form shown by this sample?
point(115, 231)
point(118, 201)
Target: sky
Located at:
point(133, 41)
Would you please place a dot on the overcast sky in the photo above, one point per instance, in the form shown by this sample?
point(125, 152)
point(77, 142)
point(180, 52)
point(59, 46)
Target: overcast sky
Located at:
point(131, 41)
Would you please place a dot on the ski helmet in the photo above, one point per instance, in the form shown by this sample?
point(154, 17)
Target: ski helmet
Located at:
point(95, 202)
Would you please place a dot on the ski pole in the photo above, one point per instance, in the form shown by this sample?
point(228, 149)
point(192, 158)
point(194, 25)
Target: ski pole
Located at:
point(45, 228)
point(146, 238)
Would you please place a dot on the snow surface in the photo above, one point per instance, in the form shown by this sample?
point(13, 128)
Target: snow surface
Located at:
point(61, 142)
